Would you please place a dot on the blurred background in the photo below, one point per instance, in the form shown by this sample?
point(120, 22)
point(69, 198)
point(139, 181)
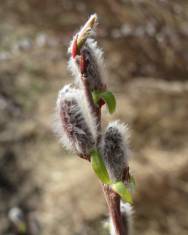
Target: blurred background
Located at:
point(146, 54)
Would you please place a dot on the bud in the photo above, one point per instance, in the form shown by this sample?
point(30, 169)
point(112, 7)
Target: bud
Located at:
point(86, 31)
point(17, 219)
point(115, 149)
point(74, 127)
point(16, 215)
point(86, 58)
point(93, 65)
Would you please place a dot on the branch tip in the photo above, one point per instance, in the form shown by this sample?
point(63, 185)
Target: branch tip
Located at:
point(86, 30)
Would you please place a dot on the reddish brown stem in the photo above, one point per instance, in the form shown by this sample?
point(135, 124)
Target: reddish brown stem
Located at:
point(95, 110)
point(113, 202)
point(112, 198)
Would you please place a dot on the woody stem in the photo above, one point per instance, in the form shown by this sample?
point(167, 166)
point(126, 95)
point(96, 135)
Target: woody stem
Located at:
point(112, 198)
point(113, 202)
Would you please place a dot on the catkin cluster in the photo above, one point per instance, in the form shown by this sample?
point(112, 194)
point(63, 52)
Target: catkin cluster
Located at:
point(78, 121)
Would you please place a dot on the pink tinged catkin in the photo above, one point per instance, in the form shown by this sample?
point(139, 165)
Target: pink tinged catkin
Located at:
point(88, 62)
point(115, 149)
point(74, 129)
point(92, 66)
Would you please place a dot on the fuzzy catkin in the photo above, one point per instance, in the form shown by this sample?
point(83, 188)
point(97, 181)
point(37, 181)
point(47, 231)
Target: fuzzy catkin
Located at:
point(94, 65)
point(16, 215)
point(75, 126)
point(73, 129)
point(115, 150)
point(94, 68)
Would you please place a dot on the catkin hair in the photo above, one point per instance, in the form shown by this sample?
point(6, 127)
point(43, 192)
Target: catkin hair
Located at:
point(115, 149)
point(73, 129)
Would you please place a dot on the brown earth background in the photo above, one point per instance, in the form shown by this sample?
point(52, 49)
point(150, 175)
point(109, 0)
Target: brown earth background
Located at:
point(146, 54)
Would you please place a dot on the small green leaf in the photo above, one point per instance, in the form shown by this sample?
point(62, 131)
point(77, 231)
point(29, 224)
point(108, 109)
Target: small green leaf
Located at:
point(108, 98)
point(122, 190)
point(96, 96)
point(99, 167)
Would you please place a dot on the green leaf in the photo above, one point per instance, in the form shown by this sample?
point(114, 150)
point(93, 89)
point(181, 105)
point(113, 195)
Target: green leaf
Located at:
point(99, 167)
point(96, 96)
point(122, 190)
point(108, 98)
